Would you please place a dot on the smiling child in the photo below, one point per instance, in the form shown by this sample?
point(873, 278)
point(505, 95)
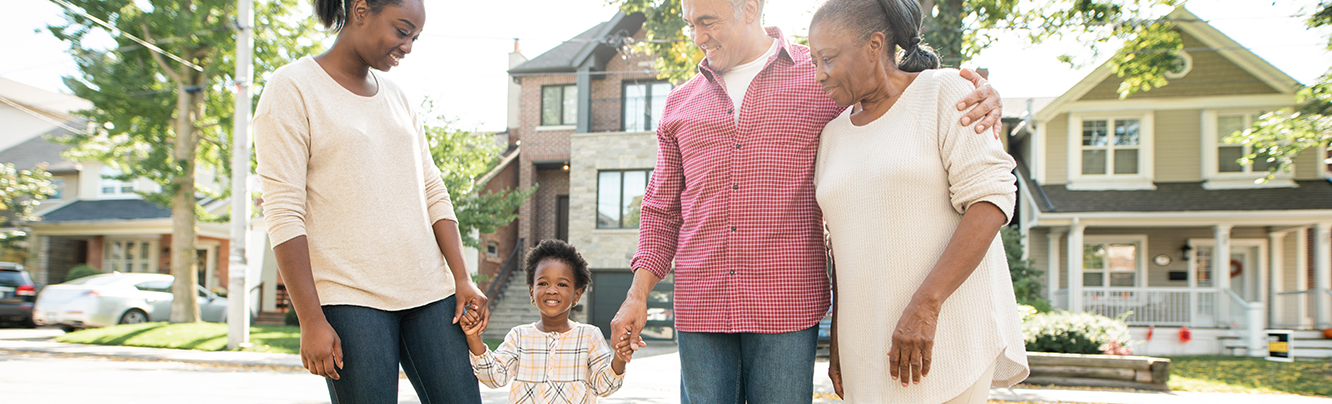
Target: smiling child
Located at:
point(555, 360)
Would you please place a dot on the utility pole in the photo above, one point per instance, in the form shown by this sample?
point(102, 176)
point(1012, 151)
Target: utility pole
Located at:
point(238, 290)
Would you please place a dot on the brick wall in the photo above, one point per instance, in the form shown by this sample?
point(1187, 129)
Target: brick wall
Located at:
point(553, 182)
point(506, 236)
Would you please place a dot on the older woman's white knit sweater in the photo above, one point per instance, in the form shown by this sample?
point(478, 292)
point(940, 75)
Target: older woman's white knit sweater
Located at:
point(892, 192)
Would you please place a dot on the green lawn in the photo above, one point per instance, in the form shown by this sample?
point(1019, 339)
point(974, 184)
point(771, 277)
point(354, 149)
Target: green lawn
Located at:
point(1231, 374)
point(200, 336)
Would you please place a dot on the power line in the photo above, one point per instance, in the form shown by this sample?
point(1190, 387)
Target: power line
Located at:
point(115, 31)
point(20, 107)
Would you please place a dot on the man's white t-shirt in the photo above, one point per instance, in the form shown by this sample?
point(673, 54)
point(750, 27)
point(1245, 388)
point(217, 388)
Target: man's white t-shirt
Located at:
point(738, 78)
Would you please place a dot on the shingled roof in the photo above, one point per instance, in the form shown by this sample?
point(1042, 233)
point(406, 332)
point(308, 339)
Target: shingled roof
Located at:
point(1181, 197)
point(39, 150)
point(107, 209)
point(568, 56)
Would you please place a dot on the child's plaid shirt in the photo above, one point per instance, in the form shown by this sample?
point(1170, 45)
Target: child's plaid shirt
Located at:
point(569, 367)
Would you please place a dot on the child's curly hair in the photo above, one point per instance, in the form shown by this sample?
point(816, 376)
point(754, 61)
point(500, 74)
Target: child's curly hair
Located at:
point(558, 250)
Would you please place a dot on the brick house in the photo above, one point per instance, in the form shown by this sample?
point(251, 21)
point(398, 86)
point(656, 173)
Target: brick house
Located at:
point(92, 219)
point(583, 127)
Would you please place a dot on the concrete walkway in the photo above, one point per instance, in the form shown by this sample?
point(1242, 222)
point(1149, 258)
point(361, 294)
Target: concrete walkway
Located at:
point(653, 376)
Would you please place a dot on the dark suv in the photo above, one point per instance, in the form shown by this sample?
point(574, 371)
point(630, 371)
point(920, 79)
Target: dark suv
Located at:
point(17, 294)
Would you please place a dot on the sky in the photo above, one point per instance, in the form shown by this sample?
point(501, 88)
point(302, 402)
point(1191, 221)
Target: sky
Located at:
point(461, 58)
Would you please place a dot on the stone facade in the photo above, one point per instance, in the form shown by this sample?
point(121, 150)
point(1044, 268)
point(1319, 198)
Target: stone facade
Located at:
point(604, 248)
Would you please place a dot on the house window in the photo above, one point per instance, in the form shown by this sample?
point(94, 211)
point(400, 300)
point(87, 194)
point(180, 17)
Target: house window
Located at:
point(559, 105)
point(620, 198)
point(1110, 146)
point(114, 187)
point(59, 185)
point(643, 105)
point(1228, 154)
point(130, 256)
point(492, 249)
point(1113, 263)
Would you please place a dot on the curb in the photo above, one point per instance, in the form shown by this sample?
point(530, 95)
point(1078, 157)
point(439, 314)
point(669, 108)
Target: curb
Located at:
point(274, 361)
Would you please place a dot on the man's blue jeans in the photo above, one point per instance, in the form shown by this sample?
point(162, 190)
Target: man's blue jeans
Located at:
point(432, 350)
point(718, 368)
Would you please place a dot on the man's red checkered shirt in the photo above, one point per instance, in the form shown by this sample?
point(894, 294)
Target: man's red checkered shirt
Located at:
point(733, 204)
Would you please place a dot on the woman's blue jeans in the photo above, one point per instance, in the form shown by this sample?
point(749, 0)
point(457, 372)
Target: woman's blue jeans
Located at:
point(717, 368)
point(432, 351)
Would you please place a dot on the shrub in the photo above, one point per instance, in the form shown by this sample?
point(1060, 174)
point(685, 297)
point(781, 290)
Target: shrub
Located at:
point(290, 317)
point(1075, 333)
point(1026, 278)
point(80, 271)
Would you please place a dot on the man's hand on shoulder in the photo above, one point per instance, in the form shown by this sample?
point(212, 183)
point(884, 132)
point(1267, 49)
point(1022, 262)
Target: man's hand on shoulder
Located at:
point(985, 104)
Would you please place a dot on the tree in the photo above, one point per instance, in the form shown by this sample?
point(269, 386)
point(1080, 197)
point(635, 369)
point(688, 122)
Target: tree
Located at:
point(20, 192)
point(1026, 277)
point(1281, 135)
point(959, 29)
point(167, 114)
point(463, 157)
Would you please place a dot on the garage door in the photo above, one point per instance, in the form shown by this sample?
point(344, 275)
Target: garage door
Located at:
point(608, 290)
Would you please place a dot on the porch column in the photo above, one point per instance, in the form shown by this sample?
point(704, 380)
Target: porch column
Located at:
point(1322, 271)
point(1052, 262)
point(1302, 277)
point(1075, 266)
point(1277, 267)
point(1221, 271)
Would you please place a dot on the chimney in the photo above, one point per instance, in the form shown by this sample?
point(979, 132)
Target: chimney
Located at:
point(515, 90)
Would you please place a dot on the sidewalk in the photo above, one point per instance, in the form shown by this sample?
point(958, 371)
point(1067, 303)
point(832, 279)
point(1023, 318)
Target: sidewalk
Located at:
point(653, 376)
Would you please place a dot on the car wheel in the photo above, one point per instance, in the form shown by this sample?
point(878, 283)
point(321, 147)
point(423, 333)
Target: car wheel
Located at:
point(68, 328)
point(28, 323)
point(134, 316)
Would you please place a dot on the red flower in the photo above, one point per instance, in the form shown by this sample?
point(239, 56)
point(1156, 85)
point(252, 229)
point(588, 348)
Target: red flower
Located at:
point(1185, 335)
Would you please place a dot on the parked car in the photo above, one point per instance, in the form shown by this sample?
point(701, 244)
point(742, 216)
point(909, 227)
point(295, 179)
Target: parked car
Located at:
point(17, 294)
point(117, 298)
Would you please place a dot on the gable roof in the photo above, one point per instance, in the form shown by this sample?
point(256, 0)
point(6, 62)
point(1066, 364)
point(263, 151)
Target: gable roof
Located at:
point(567, 57)
point(1188, 23)
point(39, 150)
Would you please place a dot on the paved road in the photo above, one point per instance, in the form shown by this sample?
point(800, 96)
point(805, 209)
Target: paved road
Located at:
point(34, 370)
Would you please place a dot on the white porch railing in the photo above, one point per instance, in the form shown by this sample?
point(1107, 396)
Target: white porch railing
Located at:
point(1248, 317)
point(1296, 309)
point(1193, 307)
point(1153, 306)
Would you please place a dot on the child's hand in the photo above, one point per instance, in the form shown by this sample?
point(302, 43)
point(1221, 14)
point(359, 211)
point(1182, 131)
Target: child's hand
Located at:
point(624, 349)
point(471, 323)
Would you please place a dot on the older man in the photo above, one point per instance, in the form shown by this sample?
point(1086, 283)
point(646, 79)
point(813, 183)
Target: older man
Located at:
point(731, 203)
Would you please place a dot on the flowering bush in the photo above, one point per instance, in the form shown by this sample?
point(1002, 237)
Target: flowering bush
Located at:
point(1076, 333)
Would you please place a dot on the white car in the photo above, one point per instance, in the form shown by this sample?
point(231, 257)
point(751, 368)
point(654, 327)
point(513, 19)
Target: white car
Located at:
point(117, 298)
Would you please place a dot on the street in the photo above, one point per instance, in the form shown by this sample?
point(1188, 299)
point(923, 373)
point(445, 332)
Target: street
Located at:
point(34, 377)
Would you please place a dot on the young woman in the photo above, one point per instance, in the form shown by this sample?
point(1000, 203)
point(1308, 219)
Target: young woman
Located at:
point(362, 226)
point(913, 203)
point(555, 360)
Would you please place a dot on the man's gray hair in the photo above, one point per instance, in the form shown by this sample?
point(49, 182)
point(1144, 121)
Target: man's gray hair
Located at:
point(738, 6)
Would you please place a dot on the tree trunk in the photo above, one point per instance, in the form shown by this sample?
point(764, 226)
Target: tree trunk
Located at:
point(185, 304)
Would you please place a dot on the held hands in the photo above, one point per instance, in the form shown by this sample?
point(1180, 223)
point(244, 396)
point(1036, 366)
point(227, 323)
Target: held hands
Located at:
point(625, 328)
point(471, 321)
point(988, 107)
point(470, 298)
point(913, 343)
point(321, 349)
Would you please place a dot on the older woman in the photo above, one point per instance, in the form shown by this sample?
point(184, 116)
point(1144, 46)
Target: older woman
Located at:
point(913, 204)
